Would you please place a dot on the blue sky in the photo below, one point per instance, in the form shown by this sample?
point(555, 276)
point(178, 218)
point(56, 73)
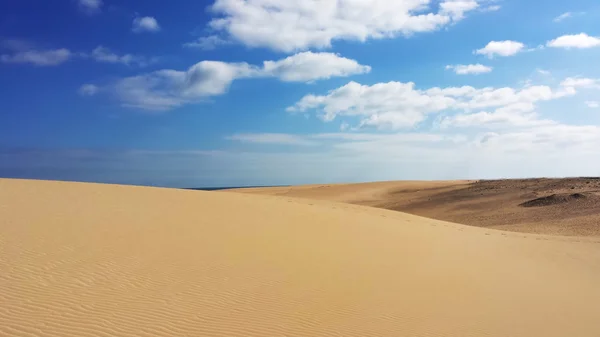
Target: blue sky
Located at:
point(253, 92)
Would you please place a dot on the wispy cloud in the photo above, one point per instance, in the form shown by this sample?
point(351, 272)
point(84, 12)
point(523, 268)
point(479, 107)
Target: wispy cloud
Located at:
point(43, 58)
point(88, 90)
point(567, 15)
point(543, 72)
point(25, 52)
point(272, 138)
point(208, 42)
point(105, 55)
point(592, 104)
point(462, 69)
point(90, 6)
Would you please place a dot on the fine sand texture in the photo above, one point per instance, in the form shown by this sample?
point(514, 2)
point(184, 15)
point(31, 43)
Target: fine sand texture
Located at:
point(104, 260)
point(568, 206)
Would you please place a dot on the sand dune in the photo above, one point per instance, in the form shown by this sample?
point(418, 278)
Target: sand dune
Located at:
point(566, 206)
point(102, 260)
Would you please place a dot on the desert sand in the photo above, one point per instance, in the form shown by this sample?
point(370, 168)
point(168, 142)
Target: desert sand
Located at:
point(566, 206)
point(104, 260)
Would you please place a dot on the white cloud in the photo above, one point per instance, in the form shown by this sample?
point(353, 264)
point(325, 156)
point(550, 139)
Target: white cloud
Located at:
point(534, 141)
point(24, 52)
point(392, 105)
point(494, 120)
point(592, 104)
point(567, 15)
point(501, 48)
point(456, 9)
point(563, 16)
point(207, 42)
point(167, 89)
point(309, 66)
point(105, 55)
point(271, 138)
point(290, 26)
point(88, 90)
point(543, 72)
point(580, 82)
point(90, 6)
point(397, 105)
point(38, 57)
point(335, 138)
point(579, 41)
point(462, 69)
point(492, 8)
point(545, 138)
point(145, 24)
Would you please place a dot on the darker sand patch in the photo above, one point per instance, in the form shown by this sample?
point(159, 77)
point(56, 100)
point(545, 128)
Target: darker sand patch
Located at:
point(554, 199)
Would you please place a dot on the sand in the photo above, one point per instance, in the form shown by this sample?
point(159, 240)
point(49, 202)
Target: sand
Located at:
point(567, 206)
point(104, 260)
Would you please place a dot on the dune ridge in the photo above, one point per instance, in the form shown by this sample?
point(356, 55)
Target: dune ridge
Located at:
point(106, 260)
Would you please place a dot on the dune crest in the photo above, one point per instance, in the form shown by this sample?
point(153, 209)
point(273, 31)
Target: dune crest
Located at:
point(106, 260)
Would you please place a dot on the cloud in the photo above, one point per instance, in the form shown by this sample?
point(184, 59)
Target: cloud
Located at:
point(90, 6)
point(391, 105)
point(494, 120)
point(573, 83)
point(397, 105)
point(271, 138)
point(462, 69)
point(543, 72)
point(291, 26)
point(167, 89)
point(88, 90)
point(557, 138)
point(105, 55)
point(456, 9)
point(492, 8)
point(592, 104)
point(579, 41)
point(530, 144)
point(42, 58)
point(145, 24)
point(323, 139)
point(25, 52)
point(309, 66)
point(501, 48)
point(207, 42)
point(563, 16)
point(567, 15)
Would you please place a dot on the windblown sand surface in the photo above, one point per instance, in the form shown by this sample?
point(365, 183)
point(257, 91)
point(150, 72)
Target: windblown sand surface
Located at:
point(102, 260)
point(569, 206)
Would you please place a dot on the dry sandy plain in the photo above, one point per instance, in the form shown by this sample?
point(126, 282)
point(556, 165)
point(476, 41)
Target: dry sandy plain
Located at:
point(105, 260)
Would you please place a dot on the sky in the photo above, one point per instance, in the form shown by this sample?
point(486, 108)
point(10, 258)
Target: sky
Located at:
point(278, 92)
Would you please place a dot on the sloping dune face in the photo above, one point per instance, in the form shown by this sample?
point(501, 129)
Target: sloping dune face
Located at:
point(100, 260)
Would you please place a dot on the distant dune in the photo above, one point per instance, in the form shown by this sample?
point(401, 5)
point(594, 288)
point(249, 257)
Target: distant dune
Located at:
point(106, 260)
point(568, 206)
